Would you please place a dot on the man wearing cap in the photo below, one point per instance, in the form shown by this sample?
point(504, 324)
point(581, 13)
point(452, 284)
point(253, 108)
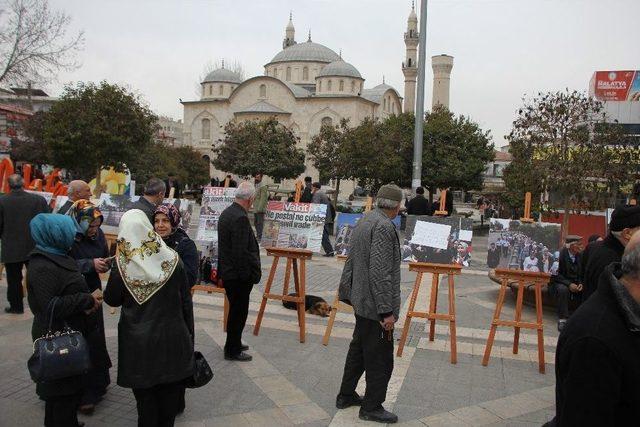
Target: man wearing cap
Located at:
point(625, 221)
point(370, 282)
point(567, 284)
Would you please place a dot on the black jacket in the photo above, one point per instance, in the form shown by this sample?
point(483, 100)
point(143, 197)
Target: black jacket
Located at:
point(419, 205)
point(176, 185)
point(155, 339)
point(84, 251)
point(145, 206)
point(568, 271)
point(603, 253)
point(17, 209)
point(49, 276)
point(597, 363)
point(306, 195)
point(238, 251)
point(186, 248)
point(493, 257)
point(65, 208)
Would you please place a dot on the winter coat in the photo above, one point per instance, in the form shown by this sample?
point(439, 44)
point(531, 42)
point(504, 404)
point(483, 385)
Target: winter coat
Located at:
point(321, 198)
point(370, 280)
point(262, 198)
point(17, 209)
point(419, 205)
point(604, 253)
point(568, 271)
point(238, 250)
point(145, 206)
point(186, 249)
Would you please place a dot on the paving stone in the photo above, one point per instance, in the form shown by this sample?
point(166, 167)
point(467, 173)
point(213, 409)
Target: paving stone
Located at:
point(304, 413)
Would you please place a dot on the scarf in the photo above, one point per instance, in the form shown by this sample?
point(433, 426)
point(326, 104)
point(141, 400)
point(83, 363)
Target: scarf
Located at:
point(145, 262)
point(83, 213)
point(53, 233)
point(172, 213)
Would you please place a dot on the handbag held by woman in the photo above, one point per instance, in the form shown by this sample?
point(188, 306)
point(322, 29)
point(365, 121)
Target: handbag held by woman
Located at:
point(202, 372)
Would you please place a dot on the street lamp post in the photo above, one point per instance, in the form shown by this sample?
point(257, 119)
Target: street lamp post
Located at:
point(416, 180)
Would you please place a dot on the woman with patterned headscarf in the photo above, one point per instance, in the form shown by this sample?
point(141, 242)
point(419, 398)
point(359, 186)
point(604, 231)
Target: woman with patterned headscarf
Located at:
point(90, 252)
point(167, 224)
point(155, 331)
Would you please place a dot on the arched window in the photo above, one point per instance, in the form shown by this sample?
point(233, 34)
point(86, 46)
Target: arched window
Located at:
point(210, 89)
point(220, 90)
point(206, 129)
point(305, 73)
point(384, 104)
point(409, 62)
point(326, 121)
point(263, 91)
point(341, 86)
point(320, 86)
point(288, 74)
point(329, 86)
point(353, 86)
point(275, 72)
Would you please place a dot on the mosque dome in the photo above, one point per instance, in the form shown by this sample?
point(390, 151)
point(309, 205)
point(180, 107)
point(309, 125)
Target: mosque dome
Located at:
point(223, 75)
point(340, 69)
point(308, 51)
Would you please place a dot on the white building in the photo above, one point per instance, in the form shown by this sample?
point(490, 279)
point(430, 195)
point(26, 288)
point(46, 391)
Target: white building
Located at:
point(170, 131)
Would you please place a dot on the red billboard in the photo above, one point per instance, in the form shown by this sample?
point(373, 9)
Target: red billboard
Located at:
point(616, 85)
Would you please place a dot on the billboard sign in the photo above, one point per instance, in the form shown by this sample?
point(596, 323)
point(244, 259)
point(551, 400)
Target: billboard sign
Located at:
point(616, 85)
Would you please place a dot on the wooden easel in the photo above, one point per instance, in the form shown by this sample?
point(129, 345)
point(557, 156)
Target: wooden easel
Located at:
point(293, 256)
point(527, 208)
point(435, 270)
point(298, 195)
point(522, 278)
point(442, 211)
point(211, 289)
point(227, 181)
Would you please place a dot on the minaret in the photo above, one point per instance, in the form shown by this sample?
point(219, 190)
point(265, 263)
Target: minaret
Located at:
point(410, 65)
point(289, 34)
point(442, 65)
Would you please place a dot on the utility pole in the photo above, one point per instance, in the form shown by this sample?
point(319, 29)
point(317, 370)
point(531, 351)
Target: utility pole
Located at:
point(416, 180)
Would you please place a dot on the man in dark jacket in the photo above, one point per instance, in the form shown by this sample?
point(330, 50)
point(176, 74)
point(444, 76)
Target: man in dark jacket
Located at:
point(597, 368)
point(567, 284)
point(77, 190)
point(625, 221)
point(370, 282)
point(307, 192)
point(169, 183)
point(419, 205)
point(493, 256)
point(321, 198)
point(17, 209)
point(238, 267)
point(153, 196)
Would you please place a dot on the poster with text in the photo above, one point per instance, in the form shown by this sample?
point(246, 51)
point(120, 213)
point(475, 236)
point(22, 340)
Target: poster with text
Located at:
point(345, 224)
point(294, 225)
point(438, 240)
point(523, 246)
point(185, 207)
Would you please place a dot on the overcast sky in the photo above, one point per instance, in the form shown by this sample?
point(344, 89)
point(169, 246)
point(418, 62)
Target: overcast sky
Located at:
point(503, 49)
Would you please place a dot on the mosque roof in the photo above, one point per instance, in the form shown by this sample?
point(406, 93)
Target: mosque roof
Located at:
point(375, 94)
point(223, 75)
point(307, 51)
point(263, 107)
point(340, 68)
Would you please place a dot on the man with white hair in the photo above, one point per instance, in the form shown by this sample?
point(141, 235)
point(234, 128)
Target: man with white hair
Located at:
point(370, 282)
point(77, 190)
point(238, 267)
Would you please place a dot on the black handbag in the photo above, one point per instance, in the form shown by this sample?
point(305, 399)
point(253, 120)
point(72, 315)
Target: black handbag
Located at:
point(202, 372)
point(58, 355)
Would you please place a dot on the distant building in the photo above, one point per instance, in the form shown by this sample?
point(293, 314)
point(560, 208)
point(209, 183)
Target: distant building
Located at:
point(11, 117)
point(29, 99)
point(492, 177)
point(169, 131)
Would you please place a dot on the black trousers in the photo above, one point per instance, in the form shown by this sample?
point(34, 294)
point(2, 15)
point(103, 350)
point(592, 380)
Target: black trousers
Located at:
point(258, 221)
point(14, 284)
point(565, 299)
point(61, 411)
point(238, 295)
point(326, 243)
point(371, 353)
point(158, 405)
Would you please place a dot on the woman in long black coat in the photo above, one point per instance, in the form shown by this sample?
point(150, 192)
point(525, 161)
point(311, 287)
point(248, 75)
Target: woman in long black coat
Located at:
point(90, 252)
point(52, 273)
point(155, 332)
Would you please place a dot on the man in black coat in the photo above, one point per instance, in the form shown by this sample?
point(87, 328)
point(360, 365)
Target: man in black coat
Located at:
point(567, 283)
point(238, 267)
point(152, 198)
point(307, 192)
point(17, 209)
point(419, 205)
point(597, 368)
point(625, 221)
point(493, 256)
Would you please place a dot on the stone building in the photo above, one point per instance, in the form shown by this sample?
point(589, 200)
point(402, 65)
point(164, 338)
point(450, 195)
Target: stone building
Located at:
point(304, 85)
point(169, 131)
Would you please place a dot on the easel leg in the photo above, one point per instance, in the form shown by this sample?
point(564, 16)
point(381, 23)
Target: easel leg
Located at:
point(225, 308)
point(433, 304)
point(332, 318)
point(287, 274)
point(407, 321)
point(267, 290)
point(302, 275)
point(541, 366)
point(516, 335)
point(494, 323)
point(452, 322)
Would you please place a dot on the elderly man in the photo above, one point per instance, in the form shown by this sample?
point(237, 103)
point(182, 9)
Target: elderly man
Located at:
point(152, 198)
point(566, 284)
point(370, 282)
point(77, 190)
point(625, 221)
point(16, 211)
point(320, 197)
point(238, 267)
point(597, 375)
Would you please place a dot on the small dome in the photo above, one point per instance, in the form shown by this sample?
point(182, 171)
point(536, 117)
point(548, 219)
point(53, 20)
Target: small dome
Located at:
point(308, 51)
point(341, 69)
point(222, 75)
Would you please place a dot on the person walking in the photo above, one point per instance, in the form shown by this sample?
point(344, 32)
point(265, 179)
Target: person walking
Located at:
point(172, 182)
point(153, 197)
point(58, 291)
point(370, 282)
point(321, 198)
point(17, 209)
point(597, 375)
point(155, 331)
point(238, 267)
point(260, 204)
point(77, 190)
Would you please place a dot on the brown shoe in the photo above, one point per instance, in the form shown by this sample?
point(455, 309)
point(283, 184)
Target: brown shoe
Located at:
point(87, 409)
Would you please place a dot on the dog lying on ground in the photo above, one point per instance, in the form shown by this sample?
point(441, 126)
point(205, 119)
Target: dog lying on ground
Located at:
point(312, 305)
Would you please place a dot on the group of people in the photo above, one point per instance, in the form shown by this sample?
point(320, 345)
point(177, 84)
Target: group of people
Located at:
point(523, 253)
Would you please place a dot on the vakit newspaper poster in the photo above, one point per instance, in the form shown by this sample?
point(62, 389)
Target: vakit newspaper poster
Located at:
point(294, 225)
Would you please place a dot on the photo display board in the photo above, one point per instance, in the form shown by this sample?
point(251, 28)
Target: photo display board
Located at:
point(294, 225)
point(345, 224)
point(438, 240)
point(523, 246)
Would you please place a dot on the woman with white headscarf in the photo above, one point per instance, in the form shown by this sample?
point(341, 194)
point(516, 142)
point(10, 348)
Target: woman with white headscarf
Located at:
point(155, 332)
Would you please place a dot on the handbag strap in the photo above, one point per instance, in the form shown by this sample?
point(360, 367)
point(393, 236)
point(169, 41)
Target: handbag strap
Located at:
point(52, 303)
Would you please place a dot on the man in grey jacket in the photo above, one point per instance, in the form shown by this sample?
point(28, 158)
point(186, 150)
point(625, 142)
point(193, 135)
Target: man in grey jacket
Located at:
point(370, 282)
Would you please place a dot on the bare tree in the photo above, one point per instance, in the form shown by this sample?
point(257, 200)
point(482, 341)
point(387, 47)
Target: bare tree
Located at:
point(210, 66)
point(34, 43)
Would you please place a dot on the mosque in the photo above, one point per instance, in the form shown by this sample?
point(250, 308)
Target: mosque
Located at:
point(304, 85)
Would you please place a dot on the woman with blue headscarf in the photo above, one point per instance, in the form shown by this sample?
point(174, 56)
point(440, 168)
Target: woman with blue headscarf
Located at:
point(52, 273)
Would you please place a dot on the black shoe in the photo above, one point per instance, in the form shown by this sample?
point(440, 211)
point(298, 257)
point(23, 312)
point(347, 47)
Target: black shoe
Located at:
point(329, 254)
point(244, 347)
point(379, 415)
point(344, 402)
point(240, 357)
point(10, 310)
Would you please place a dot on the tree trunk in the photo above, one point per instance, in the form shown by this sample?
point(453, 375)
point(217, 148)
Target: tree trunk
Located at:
point(98, 190)
point(337, 193)
point(565, 220)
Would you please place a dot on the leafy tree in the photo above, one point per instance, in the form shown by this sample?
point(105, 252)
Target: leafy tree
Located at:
point(31, 148)
point(190, 167)
point(95, 126)
point(325, 152)
point(264, 146)
point(562, 143)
